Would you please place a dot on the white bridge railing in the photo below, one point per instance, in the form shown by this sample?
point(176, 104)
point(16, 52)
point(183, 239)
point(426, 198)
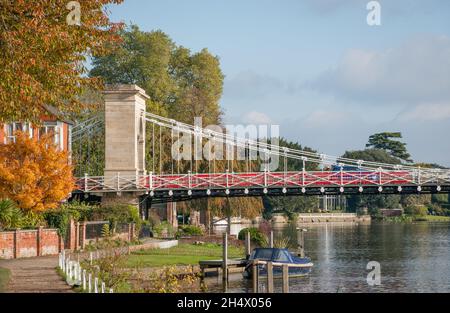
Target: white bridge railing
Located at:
point(266, 180)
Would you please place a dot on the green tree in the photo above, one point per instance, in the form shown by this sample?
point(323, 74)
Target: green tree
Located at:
point(372, 202)
point(388, 141)
point(182, 85)
point(292, 204)
point(144, 59)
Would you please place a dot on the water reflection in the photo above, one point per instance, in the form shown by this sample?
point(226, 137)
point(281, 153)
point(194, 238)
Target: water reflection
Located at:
point(413, 257)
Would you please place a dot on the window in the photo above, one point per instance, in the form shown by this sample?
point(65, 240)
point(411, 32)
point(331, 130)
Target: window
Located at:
point(52, 128)
point(14, 127)
point(282, 256)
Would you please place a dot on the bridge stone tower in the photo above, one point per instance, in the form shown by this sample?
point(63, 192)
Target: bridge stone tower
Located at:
point(124, 136)
point(124, 130)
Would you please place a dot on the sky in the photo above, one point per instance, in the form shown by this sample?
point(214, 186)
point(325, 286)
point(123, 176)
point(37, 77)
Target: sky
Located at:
point(318, 70)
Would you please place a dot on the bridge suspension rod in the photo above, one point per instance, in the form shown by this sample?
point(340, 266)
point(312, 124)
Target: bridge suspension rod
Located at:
point(278, 150)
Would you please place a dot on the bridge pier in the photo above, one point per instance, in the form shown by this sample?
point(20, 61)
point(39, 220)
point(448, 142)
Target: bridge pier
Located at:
point(125, 107)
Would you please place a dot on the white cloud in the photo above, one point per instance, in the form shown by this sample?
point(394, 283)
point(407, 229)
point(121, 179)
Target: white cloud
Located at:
point(320, 118)
point(257, 118)
point(426, 113)
point(417, 71)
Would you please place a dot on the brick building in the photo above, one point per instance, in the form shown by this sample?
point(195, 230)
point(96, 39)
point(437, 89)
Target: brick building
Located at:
point(61, 130)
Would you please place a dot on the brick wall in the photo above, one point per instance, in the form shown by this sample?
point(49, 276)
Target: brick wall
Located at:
point(29, 243)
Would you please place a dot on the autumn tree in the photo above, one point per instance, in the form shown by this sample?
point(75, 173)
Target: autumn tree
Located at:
point(34, 173)
point(43, 49)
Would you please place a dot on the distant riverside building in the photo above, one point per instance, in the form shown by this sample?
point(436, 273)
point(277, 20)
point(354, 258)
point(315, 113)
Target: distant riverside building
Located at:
point(332, 203)
point(61, 130)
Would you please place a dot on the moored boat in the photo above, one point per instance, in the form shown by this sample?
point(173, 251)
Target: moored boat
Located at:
point(278, 256)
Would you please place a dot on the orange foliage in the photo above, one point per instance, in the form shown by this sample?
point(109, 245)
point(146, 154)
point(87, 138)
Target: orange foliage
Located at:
point(34, 173)
point(42, 56)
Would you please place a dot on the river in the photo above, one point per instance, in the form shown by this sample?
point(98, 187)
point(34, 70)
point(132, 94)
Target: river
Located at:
point(414, 257)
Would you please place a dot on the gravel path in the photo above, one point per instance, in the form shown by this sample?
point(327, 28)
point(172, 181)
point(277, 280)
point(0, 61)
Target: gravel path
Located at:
point(35, 275)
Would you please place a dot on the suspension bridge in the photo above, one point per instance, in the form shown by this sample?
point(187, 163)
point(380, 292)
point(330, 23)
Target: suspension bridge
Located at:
point(126, 124)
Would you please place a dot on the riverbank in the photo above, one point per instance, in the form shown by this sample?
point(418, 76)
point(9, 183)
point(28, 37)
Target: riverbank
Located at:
point(314, 218)
point(417, 218)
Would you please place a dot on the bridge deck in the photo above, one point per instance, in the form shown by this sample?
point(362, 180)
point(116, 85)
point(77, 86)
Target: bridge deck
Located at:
point(187, 186)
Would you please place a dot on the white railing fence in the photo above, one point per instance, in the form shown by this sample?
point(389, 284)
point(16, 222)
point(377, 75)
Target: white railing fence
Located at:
point(76, 276)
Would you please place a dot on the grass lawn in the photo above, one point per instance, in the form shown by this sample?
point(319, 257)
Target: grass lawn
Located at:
point(433, 218)
point(4, 278)
point(183, 254)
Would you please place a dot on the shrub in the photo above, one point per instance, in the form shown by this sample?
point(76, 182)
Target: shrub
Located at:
point(118, 214)
point(59, 218)
point(265, 227)
point(189, 230)
point(416, 210)
point(105, 231)
point(10, 215)
point(255, 235)
point(164, 229)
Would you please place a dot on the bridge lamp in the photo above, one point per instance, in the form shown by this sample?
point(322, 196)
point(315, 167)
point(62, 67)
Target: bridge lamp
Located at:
point(341, 189)
point(303, 190)
point(361, 189)
point(227, 191)
point(170, 193)
point(189, 192)
point(399, 188)
point(265, 191)
point(380, 189)
point(246, 191)
point(439, 189)
point(152, 193)
point(284, 190)
point(322, 190)
point(208, 192)
point(419, 188)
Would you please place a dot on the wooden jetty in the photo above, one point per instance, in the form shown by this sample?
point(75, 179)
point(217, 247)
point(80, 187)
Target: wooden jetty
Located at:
point(237, 265)
point(233, 265)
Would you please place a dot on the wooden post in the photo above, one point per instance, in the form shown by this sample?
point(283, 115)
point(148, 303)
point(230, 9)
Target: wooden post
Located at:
point(225, 257)
point(285, 278)
point(83, 235)
point(255, 277)
point(90, 283)
point(247, 245)
point(77, 236)
point(129, 233)
point(271, 239)
point(84, 280)
point(269, 277)
point(301, 242)
point(95, 284)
